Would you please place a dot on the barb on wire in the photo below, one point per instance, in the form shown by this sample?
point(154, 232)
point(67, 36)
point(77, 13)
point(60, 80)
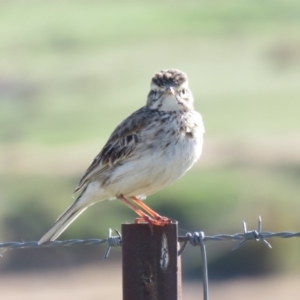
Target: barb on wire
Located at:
point(113, 241)
point(252, 235)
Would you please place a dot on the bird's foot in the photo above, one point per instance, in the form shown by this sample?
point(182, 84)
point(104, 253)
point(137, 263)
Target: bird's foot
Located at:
point(157, 221)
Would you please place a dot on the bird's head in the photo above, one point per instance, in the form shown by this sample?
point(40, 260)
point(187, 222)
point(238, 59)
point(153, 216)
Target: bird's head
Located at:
point(170, 91)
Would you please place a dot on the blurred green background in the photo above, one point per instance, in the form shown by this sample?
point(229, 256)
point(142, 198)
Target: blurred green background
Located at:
point(70, 71)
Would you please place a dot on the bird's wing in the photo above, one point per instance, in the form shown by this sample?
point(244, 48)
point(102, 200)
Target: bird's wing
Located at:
point(120, 145)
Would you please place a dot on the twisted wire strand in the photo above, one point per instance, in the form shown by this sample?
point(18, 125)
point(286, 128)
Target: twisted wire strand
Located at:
point(33, 244)
point(111, 241)
point(117, 241)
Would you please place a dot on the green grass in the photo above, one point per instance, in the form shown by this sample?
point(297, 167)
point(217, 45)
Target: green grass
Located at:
point(65, 66)
point(78, 23)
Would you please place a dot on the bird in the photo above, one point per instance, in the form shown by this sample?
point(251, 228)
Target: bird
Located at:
point(148, 151)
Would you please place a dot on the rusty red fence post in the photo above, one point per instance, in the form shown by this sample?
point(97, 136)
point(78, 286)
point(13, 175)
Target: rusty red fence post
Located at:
point(151, 266)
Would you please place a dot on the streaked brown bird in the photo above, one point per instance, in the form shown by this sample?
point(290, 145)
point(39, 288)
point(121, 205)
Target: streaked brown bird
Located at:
point(149, 150)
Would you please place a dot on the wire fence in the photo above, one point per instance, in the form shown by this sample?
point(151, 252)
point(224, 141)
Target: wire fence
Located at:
point(194, 239)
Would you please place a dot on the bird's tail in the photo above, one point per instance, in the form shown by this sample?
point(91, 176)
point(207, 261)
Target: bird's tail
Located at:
point(63, 222)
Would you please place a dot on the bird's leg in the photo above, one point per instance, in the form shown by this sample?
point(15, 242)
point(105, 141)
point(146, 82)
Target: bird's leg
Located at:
point(131, 206)
point(158, 220)
point(143, 217)
point(150, 211)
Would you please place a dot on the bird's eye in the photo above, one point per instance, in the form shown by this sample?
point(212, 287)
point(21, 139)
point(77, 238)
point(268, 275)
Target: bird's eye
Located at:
point(154, 92)
point(183, 92)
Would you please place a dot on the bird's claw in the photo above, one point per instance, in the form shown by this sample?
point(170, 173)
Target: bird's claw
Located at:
point(158, 221)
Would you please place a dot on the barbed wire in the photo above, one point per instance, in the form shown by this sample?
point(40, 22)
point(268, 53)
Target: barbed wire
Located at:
point(192, 238)
point(195, 239)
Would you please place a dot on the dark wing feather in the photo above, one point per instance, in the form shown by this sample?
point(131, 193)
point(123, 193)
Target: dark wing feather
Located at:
point(120, 145)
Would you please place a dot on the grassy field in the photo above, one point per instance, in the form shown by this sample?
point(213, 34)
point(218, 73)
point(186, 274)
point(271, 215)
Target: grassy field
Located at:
point(71, 62)
point(71, 71)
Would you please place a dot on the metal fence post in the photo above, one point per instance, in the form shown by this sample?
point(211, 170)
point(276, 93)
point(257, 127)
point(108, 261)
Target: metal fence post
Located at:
point(151, 266)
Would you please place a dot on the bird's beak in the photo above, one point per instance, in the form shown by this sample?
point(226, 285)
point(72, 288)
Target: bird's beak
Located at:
point(170, 91)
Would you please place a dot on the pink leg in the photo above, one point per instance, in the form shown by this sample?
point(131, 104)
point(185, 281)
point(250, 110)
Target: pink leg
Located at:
point(134, 208)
